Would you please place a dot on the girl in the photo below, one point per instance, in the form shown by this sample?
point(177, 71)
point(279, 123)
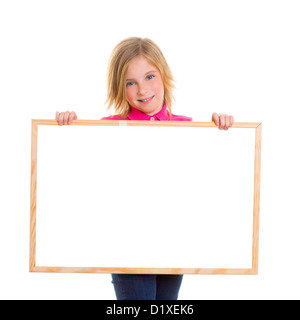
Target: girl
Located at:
point(140, 87)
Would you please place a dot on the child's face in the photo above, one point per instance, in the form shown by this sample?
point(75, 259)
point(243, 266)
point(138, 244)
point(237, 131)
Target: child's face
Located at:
point(144, 86)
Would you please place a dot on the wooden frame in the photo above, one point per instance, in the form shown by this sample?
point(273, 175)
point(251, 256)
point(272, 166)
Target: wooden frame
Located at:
point(33, 200)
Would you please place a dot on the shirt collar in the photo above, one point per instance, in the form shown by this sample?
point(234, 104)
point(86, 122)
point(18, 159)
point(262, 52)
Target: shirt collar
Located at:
point(162, 115)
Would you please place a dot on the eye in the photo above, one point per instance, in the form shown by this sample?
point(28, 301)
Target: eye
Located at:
point(150, 77)
point(129, 84)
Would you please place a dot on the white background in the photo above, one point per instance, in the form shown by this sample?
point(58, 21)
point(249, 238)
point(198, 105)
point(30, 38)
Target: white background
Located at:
point(235, 57)
point(163, 209)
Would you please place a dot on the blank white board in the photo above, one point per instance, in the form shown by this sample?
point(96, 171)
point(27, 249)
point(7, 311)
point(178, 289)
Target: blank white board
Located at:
point(144, 197)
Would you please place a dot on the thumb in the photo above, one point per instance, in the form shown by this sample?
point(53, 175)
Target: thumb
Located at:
point(215, 118)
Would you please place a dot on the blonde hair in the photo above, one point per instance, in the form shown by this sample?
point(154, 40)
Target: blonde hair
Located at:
point(120, 58)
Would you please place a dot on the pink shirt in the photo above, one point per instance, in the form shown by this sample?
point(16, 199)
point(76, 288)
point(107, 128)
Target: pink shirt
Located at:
point(162, 115)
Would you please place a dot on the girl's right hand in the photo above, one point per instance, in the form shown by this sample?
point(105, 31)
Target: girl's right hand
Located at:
point(65, 117)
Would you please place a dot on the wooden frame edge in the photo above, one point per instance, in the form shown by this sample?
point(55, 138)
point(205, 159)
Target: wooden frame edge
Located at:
point(33, 188)
point(256, 200)
point(145, 123)
point(203, 271)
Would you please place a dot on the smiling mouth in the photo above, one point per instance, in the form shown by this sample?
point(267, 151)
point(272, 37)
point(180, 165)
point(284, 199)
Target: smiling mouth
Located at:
point(146, 100)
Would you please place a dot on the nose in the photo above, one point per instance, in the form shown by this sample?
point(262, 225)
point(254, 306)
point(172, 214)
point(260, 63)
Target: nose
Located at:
point(142, 90)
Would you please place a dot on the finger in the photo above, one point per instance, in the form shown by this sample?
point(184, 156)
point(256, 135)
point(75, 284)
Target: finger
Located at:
point(215, 118)
point(66, 116)
point(227, 122)
point(61, 118)
point(56, 115)
point(222, 121)
point(72, 117)
point(230, 121)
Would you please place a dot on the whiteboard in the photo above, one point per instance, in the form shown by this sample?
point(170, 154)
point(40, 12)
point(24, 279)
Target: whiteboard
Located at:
point(128, 197)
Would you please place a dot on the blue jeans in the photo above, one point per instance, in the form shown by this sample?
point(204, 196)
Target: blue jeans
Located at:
point(146, 287)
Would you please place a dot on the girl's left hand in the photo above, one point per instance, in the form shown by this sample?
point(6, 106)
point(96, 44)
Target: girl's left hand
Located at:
point(223, 121)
